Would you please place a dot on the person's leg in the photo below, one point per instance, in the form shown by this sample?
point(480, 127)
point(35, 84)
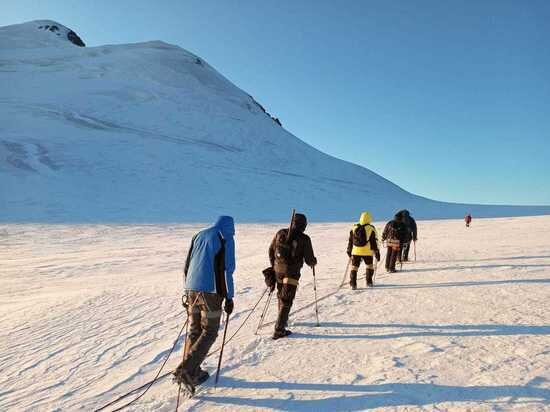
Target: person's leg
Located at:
point(370, 269)
point(288, 292)
point(393, 251)
point(210, 316)
point(388, 258)
point(355, 262)
point(406, 248)
point(280, 278)
point(194, 326)
point(194, 301)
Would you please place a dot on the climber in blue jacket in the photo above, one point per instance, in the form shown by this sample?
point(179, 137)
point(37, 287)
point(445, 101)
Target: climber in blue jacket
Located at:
point(208, 274)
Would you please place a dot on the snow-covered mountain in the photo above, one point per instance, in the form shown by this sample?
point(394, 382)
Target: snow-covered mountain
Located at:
point(149, 132)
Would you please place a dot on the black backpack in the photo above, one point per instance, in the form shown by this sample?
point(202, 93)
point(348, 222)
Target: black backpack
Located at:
point(285, 248)
point(360, 236)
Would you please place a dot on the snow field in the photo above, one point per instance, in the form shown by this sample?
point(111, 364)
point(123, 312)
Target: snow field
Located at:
point(88, 312)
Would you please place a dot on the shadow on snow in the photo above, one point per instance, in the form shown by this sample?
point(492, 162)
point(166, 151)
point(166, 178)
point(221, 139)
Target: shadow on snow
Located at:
point(459, 284)
point(483, 267)
point(413, 330)
point(376, 396)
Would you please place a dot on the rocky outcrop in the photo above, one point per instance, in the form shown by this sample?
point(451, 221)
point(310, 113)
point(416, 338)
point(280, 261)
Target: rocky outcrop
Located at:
point(71, 35)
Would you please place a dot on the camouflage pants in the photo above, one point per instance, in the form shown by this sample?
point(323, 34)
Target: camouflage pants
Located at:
point(204, 311)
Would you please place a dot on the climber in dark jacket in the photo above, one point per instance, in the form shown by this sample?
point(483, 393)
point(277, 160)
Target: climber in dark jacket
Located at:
point(412, 233)
point(395, 234)
point(287, 254)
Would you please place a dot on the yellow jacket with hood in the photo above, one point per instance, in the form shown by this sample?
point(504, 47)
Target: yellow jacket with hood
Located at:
point(367, 250)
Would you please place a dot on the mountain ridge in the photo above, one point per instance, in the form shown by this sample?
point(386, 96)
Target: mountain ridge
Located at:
point(149, 132)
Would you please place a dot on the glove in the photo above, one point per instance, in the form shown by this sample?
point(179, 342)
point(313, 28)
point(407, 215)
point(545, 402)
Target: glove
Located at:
point(184, 301)
point(228, 307)
point(269, 278)
point(377, 255)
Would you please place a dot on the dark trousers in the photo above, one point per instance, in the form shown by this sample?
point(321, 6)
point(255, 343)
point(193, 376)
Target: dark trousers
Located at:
point(204, 311)
point(405, 251)
point(355, 263)
point(286, 292)
point(392, 255)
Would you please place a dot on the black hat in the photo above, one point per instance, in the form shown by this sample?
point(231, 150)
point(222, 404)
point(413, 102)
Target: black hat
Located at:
point(299, 222)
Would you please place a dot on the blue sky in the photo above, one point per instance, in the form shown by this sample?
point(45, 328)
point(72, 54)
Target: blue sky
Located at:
point(448, 99)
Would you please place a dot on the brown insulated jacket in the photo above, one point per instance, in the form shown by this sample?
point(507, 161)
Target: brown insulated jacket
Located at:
point(302, 251)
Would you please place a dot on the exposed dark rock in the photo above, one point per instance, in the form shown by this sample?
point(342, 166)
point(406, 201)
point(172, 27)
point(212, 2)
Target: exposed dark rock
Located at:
point(71, 35)
point(73, 38)
point(275, 119)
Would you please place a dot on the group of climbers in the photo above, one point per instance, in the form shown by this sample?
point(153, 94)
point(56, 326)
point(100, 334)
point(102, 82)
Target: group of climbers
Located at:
point(210, 264)
point(208, 276)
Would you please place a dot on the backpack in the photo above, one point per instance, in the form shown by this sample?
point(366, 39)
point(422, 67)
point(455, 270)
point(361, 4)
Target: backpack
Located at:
point(392, 232)
point(285, 249)
point(360, 236)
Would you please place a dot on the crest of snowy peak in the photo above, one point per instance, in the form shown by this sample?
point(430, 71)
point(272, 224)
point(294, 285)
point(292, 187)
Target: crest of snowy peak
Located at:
point(38, 33)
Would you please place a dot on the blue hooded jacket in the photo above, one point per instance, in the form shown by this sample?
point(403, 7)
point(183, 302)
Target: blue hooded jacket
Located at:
point(210, 261)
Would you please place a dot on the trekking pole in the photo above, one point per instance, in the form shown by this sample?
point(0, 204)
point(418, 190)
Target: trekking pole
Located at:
point(315, 291)
point(264, 312)
point(221, 350)
point(345, 273)
point(414, 248)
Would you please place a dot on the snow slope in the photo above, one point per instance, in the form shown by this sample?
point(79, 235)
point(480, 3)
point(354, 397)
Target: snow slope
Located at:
point(149, 132)
point(88, 312)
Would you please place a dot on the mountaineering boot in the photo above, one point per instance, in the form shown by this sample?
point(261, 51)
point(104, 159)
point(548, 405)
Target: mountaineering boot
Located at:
point(200, 377)
point(281, 334)
point(183, 378)
point(369, 275)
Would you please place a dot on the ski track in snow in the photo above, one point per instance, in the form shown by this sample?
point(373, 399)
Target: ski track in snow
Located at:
point(90, 311)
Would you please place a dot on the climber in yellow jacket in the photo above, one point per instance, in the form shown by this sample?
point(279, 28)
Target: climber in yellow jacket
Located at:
point(362, 246)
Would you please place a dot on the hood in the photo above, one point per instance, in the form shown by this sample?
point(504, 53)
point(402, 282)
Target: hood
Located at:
point(405, 214)
point(300, 222)
point(226, 225)
point(365, 218)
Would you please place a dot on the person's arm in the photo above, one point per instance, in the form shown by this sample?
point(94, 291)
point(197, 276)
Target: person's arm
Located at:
point(309, 256)
point(229, 266)
point(414, 229)
point(373, 240)
point(350, 243)
point(272, 251)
